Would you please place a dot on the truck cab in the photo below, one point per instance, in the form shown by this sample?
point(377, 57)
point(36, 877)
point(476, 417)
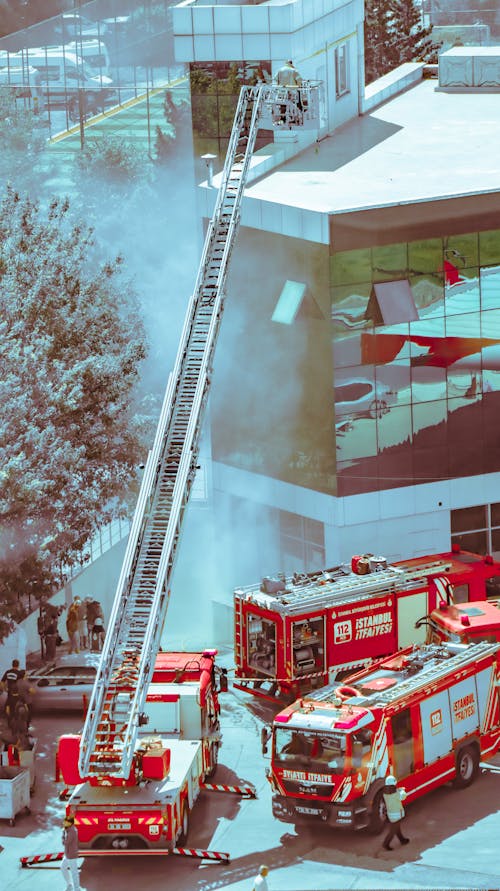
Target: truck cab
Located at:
point(464, 622)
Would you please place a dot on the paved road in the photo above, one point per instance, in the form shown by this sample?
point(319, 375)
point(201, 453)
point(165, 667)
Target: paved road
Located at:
point(454, 835)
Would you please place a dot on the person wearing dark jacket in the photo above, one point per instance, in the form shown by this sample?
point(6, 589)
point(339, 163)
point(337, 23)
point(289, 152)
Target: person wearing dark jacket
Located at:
point(393, 800)
point(9, 682)
point(69, 862)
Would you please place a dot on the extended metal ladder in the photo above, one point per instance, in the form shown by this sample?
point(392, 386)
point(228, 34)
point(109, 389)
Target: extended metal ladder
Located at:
point(127, 662)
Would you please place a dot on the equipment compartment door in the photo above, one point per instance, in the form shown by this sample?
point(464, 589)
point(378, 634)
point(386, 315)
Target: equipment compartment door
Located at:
point(411, 608)
point(436, 726)
point(308, 646)
point(261, 644)
point(402, 741)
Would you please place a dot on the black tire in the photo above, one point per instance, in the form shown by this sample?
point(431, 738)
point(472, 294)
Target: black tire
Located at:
point(182, 839)
point(378, 814)
point(467, 766)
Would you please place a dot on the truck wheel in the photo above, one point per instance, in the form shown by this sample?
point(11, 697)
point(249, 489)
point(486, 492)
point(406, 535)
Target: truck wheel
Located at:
point(467, 767)
point(378, 814)
point(181, 841)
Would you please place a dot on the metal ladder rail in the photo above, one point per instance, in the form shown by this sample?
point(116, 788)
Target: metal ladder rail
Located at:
point(429, 673)
point(434, 671)
point(151, 610)
point(334, 592)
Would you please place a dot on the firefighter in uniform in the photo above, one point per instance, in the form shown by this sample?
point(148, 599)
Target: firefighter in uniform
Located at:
point(288, 76)
point(393, 799)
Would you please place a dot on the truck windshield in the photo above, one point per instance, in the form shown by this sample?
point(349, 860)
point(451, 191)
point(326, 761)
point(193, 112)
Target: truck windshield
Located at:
point(323, 752)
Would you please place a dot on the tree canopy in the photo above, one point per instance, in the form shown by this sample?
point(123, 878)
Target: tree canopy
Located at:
point(394, 34)
point(71, 346)
point(22, 139)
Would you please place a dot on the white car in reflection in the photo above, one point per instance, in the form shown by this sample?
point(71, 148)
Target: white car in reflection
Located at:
point(361, 398)
point(65, 683)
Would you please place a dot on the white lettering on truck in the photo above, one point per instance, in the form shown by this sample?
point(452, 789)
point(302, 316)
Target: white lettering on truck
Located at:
point(372, 626)
point(464, 707)
point(342, 632)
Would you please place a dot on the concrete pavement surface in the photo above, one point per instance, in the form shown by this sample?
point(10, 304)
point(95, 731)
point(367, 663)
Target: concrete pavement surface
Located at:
point(454, 834)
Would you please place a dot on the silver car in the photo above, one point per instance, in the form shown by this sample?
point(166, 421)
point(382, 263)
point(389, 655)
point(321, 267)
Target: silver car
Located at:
point(65, 683)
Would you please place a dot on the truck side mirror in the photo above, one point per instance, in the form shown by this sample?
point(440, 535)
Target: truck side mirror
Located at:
point(223, 681)
point(265, 733)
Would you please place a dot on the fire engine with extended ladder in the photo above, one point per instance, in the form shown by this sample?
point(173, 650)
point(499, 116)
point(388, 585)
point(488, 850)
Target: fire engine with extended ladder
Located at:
point(293, 634)
point(427, 714)
point(121, 764)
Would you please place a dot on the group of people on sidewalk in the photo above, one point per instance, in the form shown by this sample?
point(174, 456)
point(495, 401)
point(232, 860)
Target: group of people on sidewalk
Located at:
point(84, 626)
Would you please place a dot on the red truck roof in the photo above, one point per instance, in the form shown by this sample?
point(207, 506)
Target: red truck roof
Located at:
point(179, 667)
point(461, 563)
point(471, 619)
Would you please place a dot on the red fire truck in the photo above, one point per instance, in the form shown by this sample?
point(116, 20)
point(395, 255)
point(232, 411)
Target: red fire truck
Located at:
point(176, 752)
point(295, 634)
point(464, 622)
point(428, 714)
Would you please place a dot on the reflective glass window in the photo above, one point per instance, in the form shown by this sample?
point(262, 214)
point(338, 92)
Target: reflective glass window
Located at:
point(425, 256)
point(490, 287)
point(351, 266)
point(462, 250)
point(429, 423)
point(390, 261)
point(489, 247)
point(463, 295)
point(466, 518)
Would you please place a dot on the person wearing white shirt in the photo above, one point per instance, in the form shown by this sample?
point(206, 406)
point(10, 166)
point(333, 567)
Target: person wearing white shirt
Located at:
point(260, 881)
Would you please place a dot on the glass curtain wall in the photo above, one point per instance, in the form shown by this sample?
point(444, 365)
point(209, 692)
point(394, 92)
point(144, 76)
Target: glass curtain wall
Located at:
point(416, 352)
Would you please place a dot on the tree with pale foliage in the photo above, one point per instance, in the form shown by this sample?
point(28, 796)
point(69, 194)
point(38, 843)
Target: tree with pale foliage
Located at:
point(22, 138)
point(71, 347)
point(394, 34)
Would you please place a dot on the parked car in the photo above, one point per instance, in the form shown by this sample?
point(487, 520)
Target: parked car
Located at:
point(361, 398)
point(63, 684)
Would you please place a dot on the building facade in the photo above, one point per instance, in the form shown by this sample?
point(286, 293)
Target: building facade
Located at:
point(357, 381)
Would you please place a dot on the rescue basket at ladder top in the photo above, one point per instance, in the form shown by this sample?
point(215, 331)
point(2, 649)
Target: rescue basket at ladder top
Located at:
point(284, 108)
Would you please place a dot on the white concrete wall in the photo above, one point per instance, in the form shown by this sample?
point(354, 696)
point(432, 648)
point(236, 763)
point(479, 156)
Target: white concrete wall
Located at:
point(302, 30)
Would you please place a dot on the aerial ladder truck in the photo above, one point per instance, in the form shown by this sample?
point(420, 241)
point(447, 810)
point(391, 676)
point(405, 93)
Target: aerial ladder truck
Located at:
point(106, 756)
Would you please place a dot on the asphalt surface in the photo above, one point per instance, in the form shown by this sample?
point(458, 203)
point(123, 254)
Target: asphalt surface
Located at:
point(454, 834)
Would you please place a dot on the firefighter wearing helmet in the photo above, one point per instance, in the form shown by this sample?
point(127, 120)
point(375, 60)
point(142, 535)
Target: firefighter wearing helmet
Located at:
point(393, 800)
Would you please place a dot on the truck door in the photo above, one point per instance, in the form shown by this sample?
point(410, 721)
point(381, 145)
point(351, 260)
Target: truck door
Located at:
point(308, 646)
point(436, 727)
point(402, 739)
point(261, 644)
point(411, 608)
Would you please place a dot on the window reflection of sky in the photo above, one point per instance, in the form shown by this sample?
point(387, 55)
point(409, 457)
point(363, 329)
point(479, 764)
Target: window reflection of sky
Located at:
point(420, 372)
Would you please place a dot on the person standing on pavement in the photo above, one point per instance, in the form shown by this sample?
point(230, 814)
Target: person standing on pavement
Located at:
point(26, 691)
point(9, 681)
point(82, 623)
point(260, 881)
point(69, 862)
point(40, 624)
point(72, 626)
point(393, 799)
